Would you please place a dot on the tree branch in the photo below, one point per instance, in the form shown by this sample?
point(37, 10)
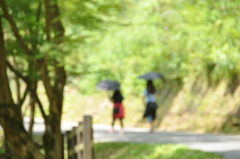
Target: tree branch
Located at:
point(17, 73)
point(14, 28)
point(40, 106)
point(21, 101)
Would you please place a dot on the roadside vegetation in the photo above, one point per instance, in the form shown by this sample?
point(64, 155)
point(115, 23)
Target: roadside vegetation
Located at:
point(144, 151)
point(180, 108)
point(148, 151)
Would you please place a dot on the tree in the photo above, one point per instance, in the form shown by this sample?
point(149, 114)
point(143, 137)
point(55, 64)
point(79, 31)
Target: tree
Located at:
point(10, 114)
point(34, 50)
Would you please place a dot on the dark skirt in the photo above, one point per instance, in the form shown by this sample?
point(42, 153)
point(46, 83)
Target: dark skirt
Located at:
point(150, 110)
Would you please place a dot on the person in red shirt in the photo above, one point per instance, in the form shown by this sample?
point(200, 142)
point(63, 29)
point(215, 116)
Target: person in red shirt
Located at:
point(118, 110)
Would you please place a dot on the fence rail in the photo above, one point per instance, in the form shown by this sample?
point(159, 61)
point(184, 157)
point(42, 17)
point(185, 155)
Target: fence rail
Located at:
point(80, 140)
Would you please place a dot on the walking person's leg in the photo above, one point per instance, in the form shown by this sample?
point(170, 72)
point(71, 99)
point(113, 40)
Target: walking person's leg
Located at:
point(151, 118)
point(121, 123)
point(111, 130)
point(151, 127)
point(150, 121)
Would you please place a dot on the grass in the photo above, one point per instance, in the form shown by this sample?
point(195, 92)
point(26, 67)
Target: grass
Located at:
point(148, 151)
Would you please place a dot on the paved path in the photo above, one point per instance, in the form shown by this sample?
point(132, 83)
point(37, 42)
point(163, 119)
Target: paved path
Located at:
point(225, 145)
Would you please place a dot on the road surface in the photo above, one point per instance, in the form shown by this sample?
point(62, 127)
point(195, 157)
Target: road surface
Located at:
point(225, 145)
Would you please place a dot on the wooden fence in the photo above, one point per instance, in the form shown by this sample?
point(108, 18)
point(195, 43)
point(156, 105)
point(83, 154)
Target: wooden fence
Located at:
point(80, 140)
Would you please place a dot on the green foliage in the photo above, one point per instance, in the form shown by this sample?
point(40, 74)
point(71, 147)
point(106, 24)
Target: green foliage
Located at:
point(148, 151)
point(171, 37)
point(89, 14)
point(122, 39)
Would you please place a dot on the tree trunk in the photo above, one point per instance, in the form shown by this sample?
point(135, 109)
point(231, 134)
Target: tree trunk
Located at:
point(32, 103)
point(10, 114)
point(53, 135)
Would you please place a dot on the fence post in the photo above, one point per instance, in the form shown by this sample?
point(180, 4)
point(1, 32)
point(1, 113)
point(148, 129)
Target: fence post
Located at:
point(88, 137)
point(80, 140)
point(71, 142)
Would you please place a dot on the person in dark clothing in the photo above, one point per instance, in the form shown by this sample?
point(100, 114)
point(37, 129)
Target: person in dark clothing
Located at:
point(118, 110)
point(151, 106)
